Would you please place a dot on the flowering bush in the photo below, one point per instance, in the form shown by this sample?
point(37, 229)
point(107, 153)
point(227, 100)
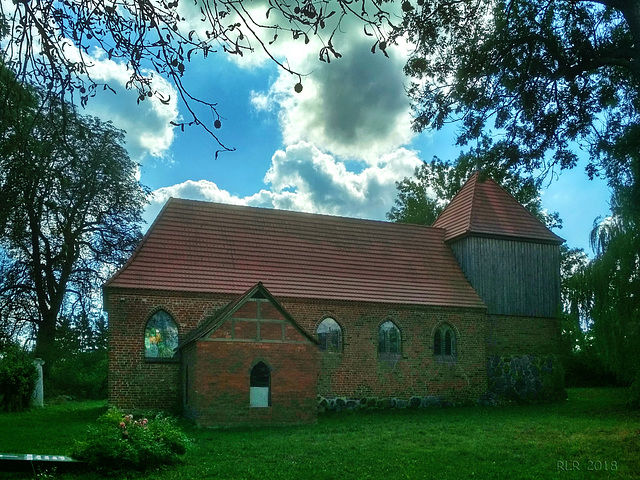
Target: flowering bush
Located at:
point(120, 442)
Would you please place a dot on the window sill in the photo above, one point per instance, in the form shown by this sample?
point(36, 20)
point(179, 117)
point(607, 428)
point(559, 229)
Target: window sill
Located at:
point(389, 358)
point(161, 360)
point(447, 359)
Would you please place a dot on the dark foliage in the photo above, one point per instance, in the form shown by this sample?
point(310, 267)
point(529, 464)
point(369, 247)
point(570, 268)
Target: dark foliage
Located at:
point(18, 377)
point(585, 368)
point(81, 362)
point(547, 76)
point(603, 294)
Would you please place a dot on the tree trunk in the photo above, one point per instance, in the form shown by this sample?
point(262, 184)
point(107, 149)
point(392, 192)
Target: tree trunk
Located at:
point(45, 342)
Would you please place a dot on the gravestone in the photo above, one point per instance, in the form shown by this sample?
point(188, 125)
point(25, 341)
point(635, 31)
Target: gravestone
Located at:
point(32, 462)
point(37, 398)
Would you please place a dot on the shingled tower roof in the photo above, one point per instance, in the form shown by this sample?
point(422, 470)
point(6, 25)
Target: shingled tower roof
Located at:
point(482, 207)
point(198, 246)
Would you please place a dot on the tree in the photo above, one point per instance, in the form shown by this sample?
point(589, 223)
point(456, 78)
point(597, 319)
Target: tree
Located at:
point(582, 361)
point(606, 290)
point(81, 361)
point(70, 209)
point(18, 377)
point(17, 310)
point(547, 76)
point(52, 42)
point(422, 198)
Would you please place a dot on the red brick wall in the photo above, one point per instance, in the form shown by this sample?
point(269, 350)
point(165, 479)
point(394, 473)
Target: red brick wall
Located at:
point(511, 335)
point(221, 390)
point(358, 372)
point(135, 382)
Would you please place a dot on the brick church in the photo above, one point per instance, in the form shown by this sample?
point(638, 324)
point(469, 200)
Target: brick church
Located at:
point(240, 315)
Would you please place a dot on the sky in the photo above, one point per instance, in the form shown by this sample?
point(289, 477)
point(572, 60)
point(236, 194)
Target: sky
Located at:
point(338, 147)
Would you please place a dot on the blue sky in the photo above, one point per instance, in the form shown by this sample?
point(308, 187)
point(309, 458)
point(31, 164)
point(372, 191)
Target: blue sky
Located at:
point(338, 147)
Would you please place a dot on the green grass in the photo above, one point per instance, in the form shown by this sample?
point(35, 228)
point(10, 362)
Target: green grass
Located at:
point(592, 430)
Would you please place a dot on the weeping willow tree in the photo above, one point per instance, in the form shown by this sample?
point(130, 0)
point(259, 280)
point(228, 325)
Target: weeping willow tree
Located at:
point(607, 290)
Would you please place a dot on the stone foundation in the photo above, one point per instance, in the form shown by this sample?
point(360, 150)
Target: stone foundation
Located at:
point(526, 378)
point(336, 404)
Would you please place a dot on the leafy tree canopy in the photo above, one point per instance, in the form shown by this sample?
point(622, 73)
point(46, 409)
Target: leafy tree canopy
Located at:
point(605, 291)
point(70, 208)
point(538, 77)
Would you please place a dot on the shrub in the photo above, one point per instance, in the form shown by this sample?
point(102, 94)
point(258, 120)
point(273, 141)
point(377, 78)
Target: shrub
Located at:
point(585, 368)
point(18, 378)
point(119, 442)
point(82, 375)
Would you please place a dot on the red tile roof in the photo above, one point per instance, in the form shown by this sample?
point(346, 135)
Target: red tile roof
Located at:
point(207, 247)
point(483, 207)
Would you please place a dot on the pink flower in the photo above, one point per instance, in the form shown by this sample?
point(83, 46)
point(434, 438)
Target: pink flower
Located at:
point(122, 425)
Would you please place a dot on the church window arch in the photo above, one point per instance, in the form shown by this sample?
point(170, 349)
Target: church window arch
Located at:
point(445, 341)
point(389, 339)
point(260, 386)
point(330, 336)
point(160, 336)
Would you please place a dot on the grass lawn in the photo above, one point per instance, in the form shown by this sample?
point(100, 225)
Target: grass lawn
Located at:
point(592, 435)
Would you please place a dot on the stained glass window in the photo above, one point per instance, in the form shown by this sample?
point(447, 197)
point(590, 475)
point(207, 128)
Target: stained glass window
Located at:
point(160, 336)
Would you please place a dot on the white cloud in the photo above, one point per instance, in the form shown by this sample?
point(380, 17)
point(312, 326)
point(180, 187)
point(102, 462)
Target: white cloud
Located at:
point(192, 190)
point(147, 127)
point(355, 106)
point(303, 178)
point(147, 123)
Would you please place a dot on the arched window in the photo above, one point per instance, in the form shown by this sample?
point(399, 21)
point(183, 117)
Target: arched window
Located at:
point(260, 386)
point(160, 336)
point(330, 336)
point(389, 339)
point(444, 342)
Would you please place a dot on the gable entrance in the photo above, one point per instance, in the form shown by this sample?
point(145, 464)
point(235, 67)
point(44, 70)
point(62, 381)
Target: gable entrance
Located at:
point(250, 363)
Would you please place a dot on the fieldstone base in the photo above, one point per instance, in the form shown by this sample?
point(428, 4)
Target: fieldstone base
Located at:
point(336, 404)
point(524, 379)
